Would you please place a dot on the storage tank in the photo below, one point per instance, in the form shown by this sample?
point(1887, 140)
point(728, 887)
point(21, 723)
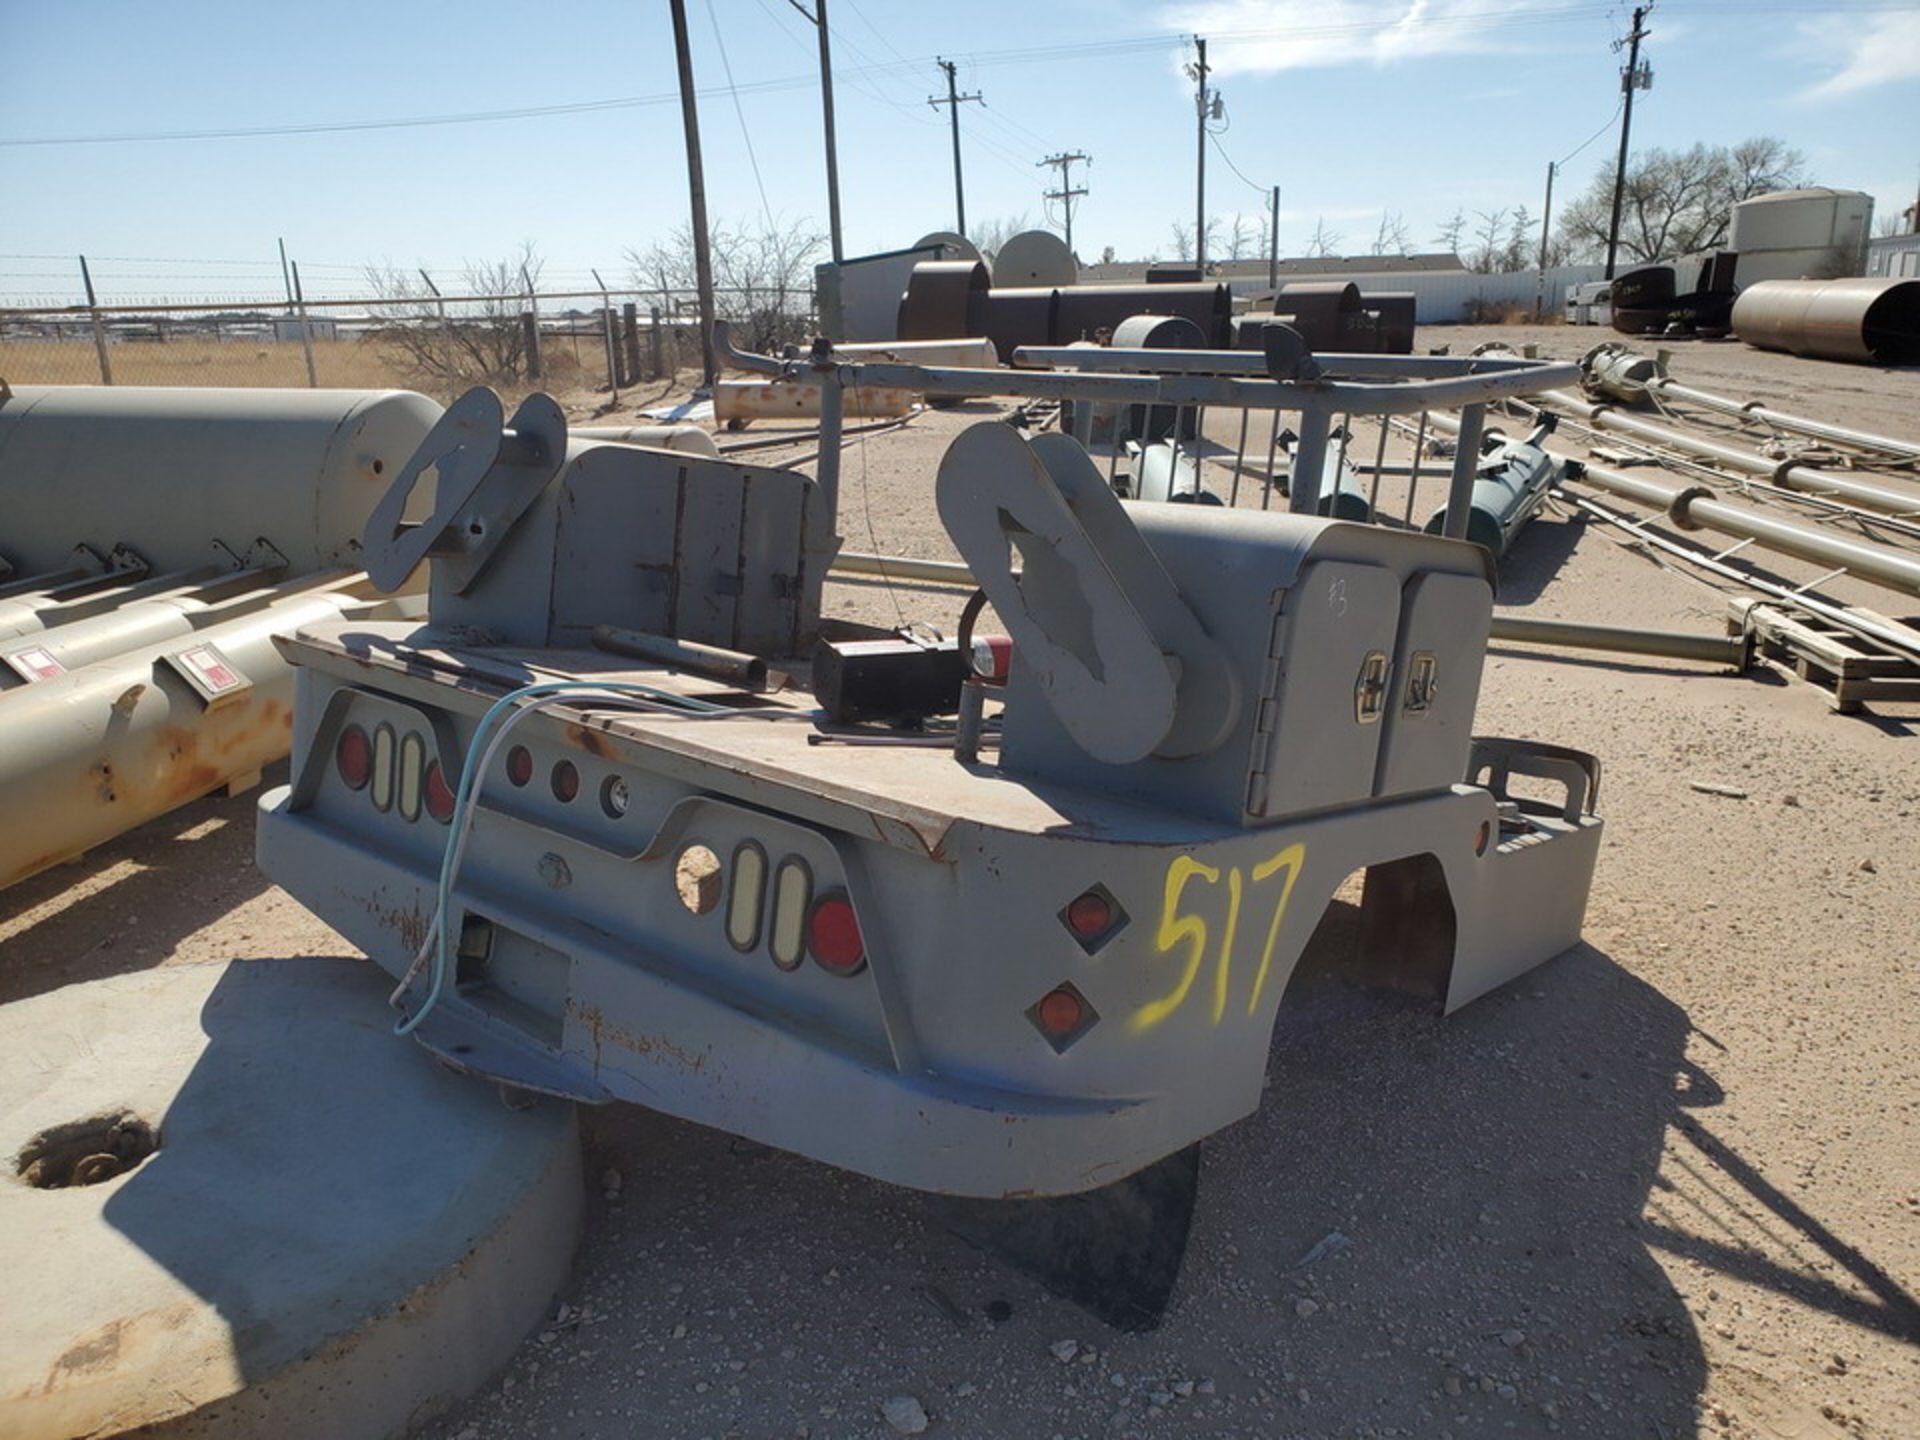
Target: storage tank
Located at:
point(1812, 234)
point(169, 471)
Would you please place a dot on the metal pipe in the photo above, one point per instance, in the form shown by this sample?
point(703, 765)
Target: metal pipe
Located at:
point(1868, 319)
point(91, 638)
point(1694, 508)
point(1783, 420)
point(1466, 465)
point(712, 661)
point(1809, 479)
point(1505, 379)
point(903, 567)
point(1731, 650)
point(1864, 623)
point(688, 439)
point(103, 748)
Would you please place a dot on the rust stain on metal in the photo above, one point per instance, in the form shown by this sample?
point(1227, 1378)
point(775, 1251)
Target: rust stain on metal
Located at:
point(645, 1046)
point(587, 738)
point(408, 924)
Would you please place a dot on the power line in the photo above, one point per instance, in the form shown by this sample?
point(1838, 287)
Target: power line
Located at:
point(753, 161)
point(1233, 167)
point(1494, 19)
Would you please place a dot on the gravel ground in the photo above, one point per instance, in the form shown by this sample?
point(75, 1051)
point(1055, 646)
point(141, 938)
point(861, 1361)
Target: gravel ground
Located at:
point(1666, 1185)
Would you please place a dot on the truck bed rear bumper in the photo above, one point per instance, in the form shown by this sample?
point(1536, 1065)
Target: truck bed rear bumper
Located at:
point(708, 1061)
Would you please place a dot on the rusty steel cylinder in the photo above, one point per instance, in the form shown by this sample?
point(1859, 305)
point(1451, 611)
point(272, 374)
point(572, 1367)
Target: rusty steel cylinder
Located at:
point(104, 747)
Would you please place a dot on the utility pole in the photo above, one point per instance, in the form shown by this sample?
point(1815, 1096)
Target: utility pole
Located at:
point(1066, 193)
point(1273, 243)
point(696, 194)
point(953, 103)
point(1546, 212)
point(818, 18)
point(1198, 71)
point(1630, 80)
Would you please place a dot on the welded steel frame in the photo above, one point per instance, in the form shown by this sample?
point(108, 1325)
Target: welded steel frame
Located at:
point(1326, 386)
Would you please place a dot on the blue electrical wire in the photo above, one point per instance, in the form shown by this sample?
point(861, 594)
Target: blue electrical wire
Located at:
point(465, 797)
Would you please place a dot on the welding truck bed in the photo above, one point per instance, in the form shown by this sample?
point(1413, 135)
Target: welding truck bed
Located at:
point(1027, 974)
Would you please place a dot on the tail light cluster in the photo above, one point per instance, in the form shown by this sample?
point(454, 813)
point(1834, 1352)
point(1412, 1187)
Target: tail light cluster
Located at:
point(394, 771)
point(777, 907)
point(1063, 1014)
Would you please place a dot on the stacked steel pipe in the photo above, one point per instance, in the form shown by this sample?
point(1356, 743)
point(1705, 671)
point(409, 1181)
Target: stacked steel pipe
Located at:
point(152, 545)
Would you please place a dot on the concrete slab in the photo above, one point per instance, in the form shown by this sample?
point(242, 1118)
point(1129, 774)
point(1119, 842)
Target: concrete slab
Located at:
point(335, 1237)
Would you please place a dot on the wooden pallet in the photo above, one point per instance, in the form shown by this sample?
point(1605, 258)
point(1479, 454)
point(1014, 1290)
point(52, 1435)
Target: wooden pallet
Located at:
point(1855, 671)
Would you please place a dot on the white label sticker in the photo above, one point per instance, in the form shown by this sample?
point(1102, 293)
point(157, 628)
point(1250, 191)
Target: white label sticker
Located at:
point(35, 663)
point(213, 672)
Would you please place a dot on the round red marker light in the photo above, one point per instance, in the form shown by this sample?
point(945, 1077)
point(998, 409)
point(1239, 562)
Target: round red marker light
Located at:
point(566, 781)
point(1061, 1012)
point(1090, 915)
point(519, 765)
point(833, 935)
point(354, 755)
point(439, 796)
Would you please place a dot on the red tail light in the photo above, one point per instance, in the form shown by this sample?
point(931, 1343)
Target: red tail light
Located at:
point(1090, 915)
point(519, 765)
point(353, 754)
point(1060, 1013)
point(992, 655)
point(833, 935)
point(439, 796)
point(566, 781)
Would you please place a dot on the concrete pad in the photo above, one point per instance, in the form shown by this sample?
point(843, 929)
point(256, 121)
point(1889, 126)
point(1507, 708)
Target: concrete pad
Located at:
point(335, 1237)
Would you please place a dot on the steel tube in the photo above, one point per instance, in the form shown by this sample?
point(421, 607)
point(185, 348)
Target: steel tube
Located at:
point(1254, 363)
point(1466, 465)
point(1782, 420)
point(1693, 507)
point(903, 567)
point(1498, 382)
point(1811, 480)
point(94, 752)
point(1671, 644)
point(688, 439)
point(710, 660)
point(98, 637)
point(1868, 319)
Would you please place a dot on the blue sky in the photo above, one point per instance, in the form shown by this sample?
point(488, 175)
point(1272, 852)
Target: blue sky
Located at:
point(1352, 106)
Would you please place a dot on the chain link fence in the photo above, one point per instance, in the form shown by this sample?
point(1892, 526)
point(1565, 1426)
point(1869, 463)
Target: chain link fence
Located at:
point(562, 342)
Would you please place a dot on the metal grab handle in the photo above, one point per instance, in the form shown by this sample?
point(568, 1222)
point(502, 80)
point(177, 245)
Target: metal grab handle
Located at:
point(1501, 759)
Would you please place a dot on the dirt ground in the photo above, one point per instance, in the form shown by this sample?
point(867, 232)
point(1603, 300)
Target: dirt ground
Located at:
point(1666, 1185)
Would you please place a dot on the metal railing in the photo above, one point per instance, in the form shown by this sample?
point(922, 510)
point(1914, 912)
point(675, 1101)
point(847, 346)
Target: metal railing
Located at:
point(1324, 391)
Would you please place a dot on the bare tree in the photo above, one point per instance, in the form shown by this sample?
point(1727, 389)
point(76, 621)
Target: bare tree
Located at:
point(1239, 239)
point(1484, 252)
point(762, 279)
point(468, 342)
point(1392, 237)
point(989, 235)
point(1325, 243)
point(1521, 247)
point(1107, 255)
point(1893, 223)
point(1183, 238)
point(1678, 202)
point(1451, 232)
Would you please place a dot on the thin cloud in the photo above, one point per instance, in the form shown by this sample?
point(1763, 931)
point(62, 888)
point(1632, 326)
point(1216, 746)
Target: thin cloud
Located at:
point(1883, 50)
point(1265, 36)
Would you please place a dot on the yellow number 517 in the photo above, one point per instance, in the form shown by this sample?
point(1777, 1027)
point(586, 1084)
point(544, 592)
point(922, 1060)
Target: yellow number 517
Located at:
point(1189, 929)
